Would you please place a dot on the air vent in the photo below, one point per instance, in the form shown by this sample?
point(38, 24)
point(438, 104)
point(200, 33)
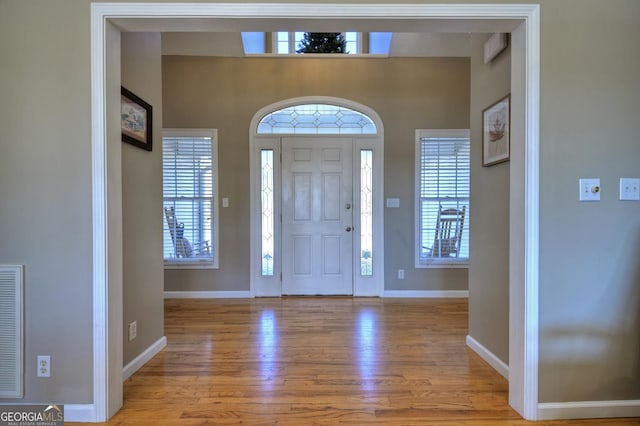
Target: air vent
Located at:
point(11, 331)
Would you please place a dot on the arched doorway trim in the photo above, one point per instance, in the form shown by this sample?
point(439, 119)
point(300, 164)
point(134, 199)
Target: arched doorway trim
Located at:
point(265, 152)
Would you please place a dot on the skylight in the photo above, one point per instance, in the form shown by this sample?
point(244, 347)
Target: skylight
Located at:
point(253, 43)
point(380, 43)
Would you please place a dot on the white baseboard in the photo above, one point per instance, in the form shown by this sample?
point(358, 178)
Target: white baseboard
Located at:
point(489, 357)
point(431, 294)
point(81, 413)
point(588, 409)
point(207, 295)
point(143, 358)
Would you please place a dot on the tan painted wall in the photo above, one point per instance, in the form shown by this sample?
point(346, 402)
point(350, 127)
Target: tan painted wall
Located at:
point(45, 188)
point(589, 276)
point(225, 93)
point(489, 222)
point(589, 252)
point(143, 267)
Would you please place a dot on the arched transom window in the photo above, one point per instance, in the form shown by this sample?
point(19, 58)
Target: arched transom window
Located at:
point(317, 119)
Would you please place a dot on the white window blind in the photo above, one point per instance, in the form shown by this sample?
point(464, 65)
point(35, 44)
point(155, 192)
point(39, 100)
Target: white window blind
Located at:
point(189, 173)
point(442, 199)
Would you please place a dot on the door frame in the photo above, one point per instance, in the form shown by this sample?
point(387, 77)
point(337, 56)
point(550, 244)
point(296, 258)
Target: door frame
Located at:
point(269, 286)
point(108, 20)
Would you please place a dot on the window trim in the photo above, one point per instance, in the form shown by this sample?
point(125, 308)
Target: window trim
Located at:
point(449, 263)
point(215, 244)
point(274, 129)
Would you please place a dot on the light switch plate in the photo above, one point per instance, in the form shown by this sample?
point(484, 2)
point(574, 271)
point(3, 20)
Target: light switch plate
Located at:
point(630, 189)
point(590, 189)
point(393, 203)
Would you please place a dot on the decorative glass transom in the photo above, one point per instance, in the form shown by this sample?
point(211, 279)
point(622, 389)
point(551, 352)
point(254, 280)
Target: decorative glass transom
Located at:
point(317, 119)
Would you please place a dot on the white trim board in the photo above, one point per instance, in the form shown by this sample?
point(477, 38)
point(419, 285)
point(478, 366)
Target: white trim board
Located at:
point(143, 358)
point(488, 356)
point(207, 295)
point(429, 294)
point(80, 413)
point(588, 409)
point(525, 89)
point(86, 412)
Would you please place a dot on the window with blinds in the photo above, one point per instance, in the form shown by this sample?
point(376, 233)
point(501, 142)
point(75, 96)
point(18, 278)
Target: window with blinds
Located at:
point(189, 175)
point(442, 197)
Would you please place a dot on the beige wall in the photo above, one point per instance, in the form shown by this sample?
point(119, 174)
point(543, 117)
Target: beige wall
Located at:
point(143, 268)
point(589, 276)
point(225, 93)
point(489, 220)
point(589, 252)
point(45, 188)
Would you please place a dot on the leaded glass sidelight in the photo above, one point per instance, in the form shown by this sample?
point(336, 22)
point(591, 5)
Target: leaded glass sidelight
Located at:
point(366, 212)
point(317, 119)
point(267, 211)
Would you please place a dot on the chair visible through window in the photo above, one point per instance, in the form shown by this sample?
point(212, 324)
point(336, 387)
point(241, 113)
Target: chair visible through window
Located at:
point(448, 236)
point(183, 247)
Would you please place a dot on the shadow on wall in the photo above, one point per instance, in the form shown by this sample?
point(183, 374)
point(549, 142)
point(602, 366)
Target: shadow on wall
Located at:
point(599, 358)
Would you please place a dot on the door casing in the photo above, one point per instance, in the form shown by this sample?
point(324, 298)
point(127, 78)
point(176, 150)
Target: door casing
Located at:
point(108, 20)
point(269, 286)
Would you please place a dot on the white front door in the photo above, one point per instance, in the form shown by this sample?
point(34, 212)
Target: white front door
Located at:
point(317, 216)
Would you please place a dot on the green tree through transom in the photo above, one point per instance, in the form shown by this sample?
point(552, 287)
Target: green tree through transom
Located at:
point(322, 43)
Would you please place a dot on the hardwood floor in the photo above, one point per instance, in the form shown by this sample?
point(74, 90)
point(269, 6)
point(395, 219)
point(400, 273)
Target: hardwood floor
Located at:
point(303, 361)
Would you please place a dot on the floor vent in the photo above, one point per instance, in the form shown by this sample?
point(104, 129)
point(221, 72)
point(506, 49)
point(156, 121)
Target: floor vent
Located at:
point(11, 331)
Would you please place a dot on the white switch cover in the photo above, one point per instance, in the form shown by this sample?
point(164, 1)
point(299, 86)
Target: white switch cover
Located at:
point(630, 189)
point(225, 202)
point(393, 203)
point(590, 189)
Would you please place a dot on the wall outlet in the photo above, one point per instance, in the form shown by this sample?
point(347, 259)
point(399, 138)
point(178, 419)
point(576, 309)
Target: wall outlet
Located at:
point(44, 366)
point(401, 274)
point(133, 330)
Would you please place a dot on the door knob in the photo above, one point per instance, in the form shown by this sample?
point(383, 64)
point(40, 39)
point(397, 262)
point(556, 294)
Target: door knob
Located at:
point(347, 206)
point(348, 229)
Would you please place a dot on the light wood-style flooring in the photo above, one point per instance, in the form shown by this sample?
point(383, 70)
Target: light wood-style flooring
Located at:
point(319, 361)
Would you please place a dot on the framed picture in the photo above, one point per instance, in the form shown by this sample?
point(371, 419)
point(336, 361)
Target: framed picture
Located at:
point(136, 119)
point(496, 132)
